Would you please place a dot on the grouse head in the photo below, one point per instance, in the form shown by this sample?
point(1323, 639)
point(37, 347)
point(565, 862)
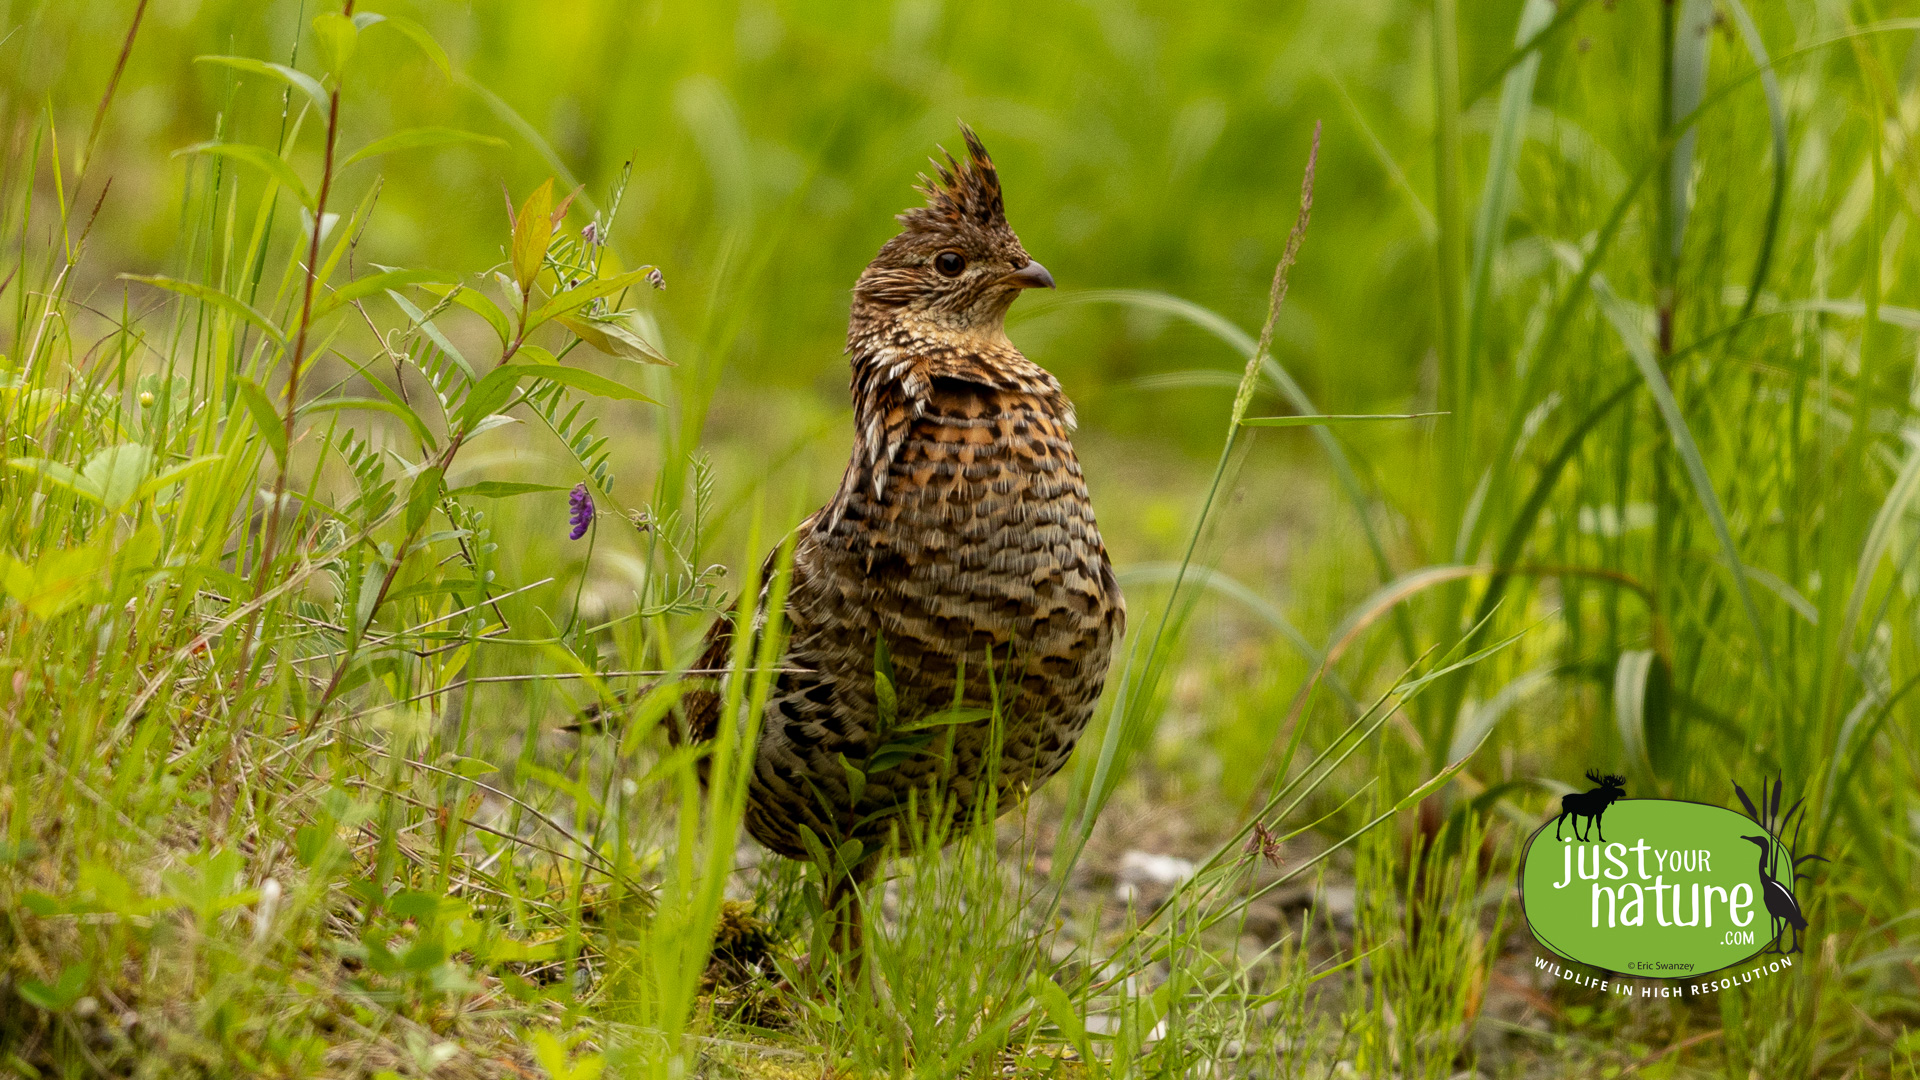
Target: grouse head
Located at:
point(956, 264)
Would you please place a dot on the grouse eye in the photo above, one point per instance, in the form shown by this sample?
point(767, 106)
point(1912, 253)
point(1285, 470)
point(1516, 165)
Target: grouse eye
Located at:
point(949, 263)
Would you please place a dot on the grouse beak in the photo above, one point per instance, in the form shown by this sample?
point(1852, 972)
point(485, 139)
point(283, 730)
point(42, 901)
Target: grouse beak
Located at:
point(1030, 276)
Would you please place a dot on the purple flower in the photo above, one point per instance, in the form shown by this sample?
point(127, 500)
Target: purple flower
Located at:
point(580, 511)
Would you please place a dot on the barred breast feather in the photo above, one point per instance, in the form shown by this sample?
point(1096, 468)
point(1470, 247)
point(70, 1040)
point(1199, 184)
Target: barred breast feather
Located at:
point(962, 547)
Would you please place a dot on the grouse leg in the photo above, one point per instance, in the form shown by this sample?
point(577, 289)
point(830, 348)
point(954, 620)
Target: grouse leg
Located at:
point(849, 923)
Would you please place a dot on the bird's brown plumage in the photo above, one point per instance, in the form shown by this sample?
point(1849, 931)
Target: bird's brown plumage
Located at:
point(960, 549)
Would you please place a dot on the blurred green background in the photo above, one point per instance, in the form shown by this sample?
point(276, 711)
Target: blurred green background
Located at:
point(1144, 146)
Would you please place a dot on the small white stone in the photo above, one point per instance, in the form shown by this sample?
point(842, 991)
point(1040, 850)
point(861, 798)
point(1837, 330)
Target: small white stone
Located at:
point(1142, 867)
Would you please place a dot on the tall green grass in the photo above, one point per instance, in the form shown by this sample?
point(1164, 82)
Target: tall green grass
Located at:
point(255, 826)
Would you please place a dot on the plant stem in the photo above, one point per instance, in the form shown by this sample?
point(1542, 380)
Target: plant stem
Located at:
point(1455, 380)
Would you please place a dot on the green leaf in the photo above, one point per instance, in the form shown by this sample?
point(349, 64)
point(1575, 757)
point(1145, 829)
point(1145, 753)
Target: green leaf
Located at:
point(532, 232)
point(847, 855)
point(209, 883)
point(211, 295)
point(949, 718)
point(420, 36)
point(597, 385)
point(272, 429)
point(375, 283)
point(484, 307)
point(299, 80)
point(643, 716)
point(113, 476)
point(898, 751)
point(406, 414)
point(886, 700)
point(424, 955)
point(413, 904)
point(613, 335)
point(62, 994)
point(468, 767)
point(176, 474)
point(419, 319)
point(492, 392)
point(503, 950)
point(424, 493)
point(337, 35)
point(316, 847)
point(419, 139)
point(856, 780)
point(56, 582)
point(1319, 421)
point(489, 394)
point(1479, 723)
point(502, 489)
point(581, 295)
point(259, 157)
point(55, 473)
point(552, 1057)
point(1060, 1010)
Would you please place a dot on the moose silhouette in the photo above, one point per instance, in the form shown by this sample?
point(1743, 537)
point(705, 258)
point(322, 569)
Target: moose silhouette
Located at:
point(1590, 804)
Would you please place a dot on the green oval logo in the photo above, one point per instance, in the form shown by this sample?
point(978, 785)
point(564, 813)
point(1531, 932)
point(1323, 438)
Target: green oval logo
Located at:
point(1657, 888)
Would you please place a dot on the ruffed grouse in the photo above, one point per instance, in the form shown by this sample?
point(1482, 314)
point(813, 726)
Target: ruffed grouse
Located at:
point(960, 552)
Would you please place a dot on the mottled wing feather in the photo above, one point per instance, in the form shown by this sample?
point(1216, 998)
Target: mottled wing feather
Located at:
point(966, 534)
point(699, 708)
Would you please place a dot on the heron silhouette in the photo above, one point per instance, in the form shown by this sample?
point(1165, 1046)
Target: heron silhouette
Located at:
point(1780, 902)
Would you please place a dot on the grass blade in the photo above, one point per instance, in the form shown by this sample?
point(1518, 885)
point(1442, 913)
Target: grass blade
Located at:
point(1692, 38)
point(1281, 381)
point(1326, 419)
point(1496, 197)
point(1630, 680)
point(359, 288)
point(419, 139)
point(1777, 125)
point(1893, 510)
point(1623, 322)
point(1269, 613)
point(1563, 17)
point(269, 163)
point(211, 295)
point(298, 80)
